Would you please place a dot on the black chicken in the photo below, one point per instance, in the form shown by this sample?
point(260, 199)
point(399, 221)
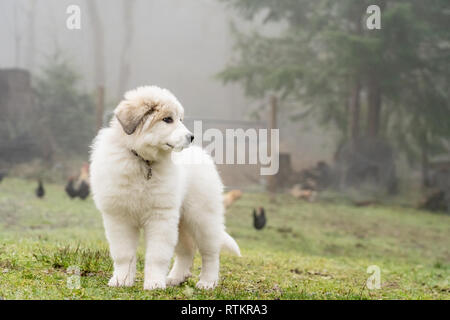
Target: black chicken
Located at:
point(79, 187)
point(40, 191)
point(70, 190)
point(83, 190)
point(2, 175)
point(259, 219)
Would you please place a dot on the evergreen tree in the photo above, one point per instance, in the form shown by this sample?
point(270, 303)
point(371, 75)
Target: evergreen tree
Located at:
point(66, 115)
point(327, 58)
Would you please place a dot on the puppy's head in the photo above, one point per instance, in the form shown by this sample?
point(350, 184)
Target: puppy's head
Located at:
point(153, 118)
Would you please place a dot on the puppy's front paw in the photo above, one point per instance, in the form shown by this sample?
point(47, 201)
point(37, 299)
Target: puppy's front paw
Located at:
point(125, 280)
point(207, 285)
point(154, 284)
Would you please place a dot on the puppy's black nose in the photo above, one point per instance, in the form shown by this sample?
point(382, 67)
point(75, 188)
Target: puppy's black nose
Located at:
point(190, 137)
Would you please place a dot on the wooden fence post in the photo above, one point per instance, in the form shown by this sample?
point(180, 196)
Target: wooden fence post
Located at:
point(100, 105)
point(272, 180)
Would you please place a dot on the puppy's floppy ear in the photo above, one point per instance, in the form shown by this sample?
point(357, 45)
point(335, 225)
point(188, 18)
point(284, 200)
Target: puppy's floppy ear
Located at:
point(130, 115)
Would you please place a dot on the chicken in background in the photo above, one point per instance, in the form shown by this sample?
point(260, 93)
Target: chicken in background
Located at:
point(2, 175)
point(259, 218)
point(304, 194)
point(40, 191)
point(79, 187)
point(70, 189)
point(230, 197)
point(84, 189)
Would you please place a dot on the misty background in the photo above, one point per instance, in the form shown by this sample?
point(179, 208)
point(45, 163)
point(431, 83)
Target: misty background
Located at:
point(354, 106)
point(180, 45)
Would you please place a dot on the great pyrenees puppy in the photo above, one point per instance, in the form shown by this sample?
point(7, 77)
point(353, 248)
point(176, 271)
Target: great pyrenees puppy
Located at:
point(143, 177)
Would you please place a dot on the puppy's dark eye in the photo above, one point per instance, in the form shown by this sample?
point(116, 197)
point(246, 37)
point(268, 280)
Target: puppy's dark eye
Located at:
point(168, 120)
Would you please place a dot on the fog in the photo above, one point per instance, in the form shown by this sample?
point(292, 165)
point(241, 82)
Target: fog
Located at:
point(180, 45)
point(176, 44)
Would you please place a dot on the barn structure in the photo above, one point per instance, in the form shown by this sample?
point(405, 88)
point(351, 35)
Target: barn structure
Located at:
point(16, 106)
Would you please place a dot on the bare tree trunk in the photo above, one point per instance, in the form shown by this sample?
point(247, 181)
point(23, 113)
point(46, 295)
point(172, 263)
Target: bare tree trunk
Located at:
point(99, 59)
point(124, 72)
point(31, 51)
point(17, 38)
point(100, 107)
point(425, 163)
point(374, 97)
point(354, 110)
point(374, 108)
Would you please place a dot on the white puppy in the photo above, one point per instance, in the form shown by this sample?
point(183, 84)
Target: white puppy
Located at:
point(139, 183)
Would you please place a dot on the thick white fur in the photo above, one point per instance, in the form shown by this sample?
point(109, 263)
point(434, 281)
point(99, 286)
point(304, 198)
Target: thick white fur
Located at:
point(179, 209)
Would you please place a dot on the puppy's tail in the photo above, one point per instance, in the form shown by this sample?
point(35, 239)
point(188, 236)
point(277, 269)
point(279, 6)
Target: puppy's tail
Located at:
point(230, 245)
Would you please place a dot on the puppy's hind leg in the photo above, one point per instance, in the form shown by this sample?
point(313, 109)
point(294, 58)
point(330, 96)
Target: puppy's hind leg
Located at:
point(184, 254)
point(209, 244)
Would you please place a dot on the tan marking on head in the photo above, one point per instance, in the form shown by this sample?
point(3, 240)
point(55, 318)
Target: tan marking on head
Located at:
point(130, 114)
point(143, 102)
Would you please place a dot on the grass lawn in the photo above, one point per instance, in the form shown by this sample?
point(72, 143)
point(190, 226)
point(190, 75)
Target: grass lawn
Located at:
point(307, 251)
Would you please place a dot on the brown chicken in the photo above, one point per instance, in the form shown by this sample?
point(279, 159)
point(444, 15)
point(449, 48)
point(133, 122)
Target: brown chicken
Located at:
point(230, 197)
point(298, 193)
point(79, 187)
